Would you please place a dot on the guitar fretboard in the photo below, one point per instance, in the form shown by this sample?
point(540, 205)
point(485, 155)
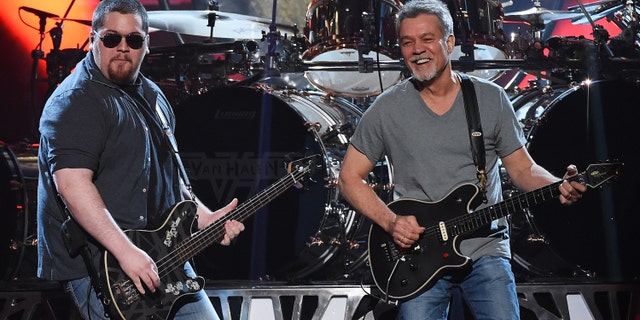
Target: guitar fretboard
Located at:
point(201, 239)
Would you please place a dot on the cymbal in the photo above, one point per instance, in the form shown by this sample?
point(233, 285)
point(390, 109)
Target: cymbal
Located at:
point(597, 10)
point(539, 15)
point(227, 25)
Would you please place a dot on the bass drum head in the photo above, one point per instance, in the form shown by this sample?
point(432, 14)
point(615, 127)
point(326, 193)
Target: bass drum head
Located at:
point(234, 142)
point(586, 124)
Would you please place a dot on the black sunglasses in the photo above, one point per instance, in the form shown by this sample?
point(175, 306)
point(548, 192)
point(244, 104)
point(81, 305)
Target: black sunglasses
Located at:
point(111, 40)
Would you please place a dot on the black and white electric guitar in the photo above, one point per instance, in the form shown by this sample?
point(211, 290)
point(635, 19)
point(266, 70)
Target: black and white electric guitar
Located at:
point(404, 274)
point(172, 245)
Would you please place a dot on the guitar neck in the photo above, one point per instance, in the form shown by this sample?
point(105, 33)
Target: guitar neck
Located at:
point(215, 231)
point(467, 223)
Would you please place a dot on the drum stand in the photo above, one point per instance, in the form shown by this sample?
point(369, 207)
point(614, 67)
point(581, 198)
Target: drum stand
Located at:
point(271, 69)
point(60, 62)
point(272, 76)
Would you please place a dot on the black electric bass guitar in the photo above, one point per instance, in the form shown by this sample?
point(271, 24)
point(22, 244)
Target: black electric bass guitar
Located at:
point(172, 245)
point(404, 274)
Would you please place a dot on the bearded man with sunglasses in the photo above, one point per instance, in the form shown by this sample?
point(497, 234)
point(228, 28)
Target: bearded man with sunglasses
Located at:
point(105, 160)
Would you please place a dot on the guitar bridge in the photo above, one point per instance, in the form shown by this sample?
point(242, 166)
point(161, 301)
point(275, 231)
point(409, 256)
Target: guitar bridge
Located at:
point(390, 251)
point(125, 293)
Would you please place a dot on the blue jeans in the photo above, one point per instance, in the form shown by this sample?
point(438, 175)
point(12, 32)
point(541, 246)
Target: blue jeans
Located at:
point(198, 308)
point(490, 291)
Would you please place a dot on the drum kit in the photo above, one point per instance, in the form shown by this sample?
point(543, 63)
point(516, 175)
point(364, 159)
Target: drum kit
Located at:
point(252, 92)
point(347, 53)
point(19, 178)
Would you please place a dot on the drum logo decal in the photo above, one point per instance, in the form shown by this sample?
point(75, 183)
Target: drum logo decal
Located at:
point(229, 173)
point(235, 114)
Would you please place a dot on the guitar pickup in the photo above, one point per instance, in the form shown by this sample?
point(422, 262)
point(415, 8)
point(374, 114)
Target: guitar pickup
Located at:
point(444, 236)
point(126, 293)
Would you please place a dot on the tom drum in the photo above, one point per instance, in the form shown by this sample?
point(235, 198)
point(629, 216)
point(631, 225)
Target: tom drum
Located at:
point(337, 30)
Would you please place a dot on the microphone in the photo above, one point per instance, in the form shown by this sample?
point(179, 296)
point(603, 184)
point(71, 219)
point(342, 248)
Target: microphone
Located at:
point(39, 13)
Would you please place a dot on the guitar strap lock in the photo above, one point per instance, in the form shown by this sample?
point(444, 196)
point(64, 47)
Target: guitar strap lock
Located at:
point(482, 177)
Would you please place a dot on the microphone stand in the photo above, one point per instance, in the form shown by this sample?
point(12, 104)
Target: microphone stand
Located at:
point(54, 59)
point(36, 55)
point(60, 62)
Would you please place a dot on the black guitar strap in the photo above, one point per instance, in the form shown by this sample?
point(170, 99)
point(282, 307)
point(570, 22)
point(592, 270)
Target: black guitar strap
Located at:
point(475, 131)
point(173, 145)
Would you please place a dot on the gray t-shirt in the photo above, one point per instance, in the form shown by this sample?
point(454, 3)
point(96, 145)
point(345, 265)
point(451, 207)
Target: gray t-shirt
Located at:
point(431, 154)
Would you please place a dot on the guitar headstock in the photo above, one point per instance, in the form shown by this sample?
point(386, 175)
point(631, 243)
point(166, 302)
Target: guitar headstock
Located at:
point(303, 167)
point(599, 173)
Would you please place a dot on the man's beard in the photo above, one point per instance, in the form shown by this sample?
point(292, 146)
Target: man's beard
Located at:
point(425, 76)
point(121, 74)
point(428, 76)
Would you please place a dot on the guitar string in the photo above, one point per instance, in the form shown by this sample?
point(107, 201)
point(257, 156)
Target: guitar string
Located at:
point(461, 224)
point(458, 225)
point(465, 223)
point(523, 201)
point(167, 264)
point(202, 238)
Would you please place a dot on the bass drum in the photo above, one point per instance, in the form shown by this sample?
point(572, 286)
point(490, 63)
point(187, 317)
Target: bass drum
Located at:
point(581, 125)
point(235, 141)
point(18, 180)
